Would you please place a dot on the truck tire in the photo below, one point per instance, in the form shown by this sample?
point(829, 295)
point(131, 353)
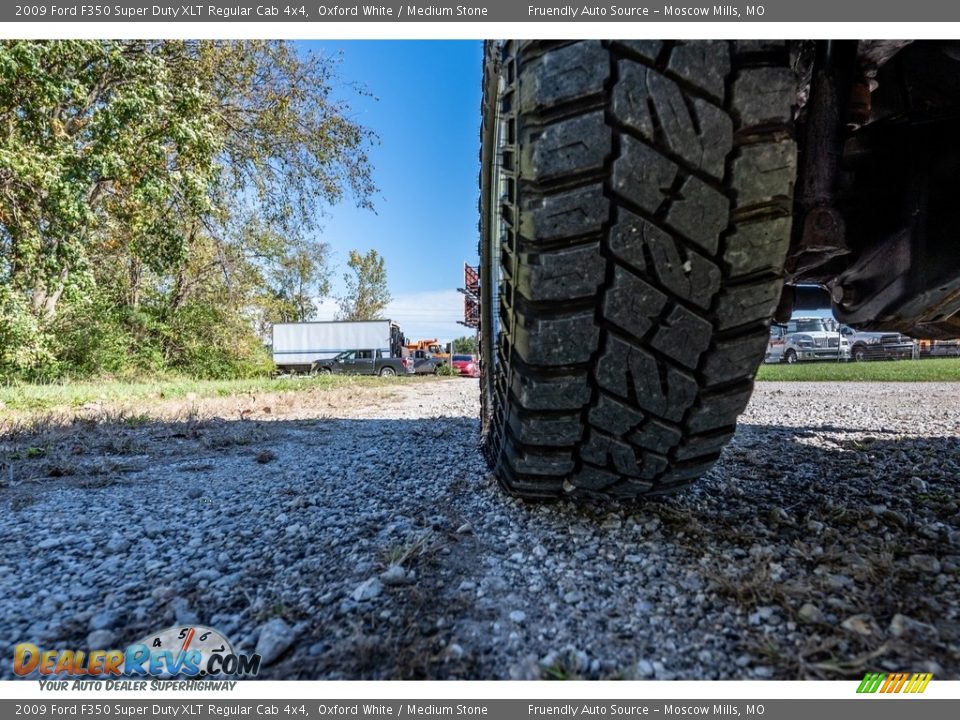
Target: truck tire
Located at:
point(387, 371)
point(635, 216)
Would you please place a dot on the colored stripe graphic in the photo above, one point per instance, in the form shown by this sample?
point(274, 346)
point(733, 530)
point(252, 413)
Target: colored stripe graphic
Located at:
point(919, 683)
point(871, 682)
point(894, 683)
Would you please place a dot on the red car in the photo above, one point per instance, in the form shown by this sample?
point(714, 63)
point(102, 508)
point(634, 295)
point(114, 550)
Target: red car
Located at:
point(466, 365)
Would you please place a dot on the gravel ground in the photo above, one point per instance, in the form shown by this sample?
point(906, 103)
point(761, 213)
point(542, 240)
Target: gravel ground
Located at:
point(361, 536)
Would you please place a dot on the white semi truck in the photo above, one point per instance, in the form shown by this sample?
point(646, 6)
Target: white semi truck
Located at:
point(297, 346)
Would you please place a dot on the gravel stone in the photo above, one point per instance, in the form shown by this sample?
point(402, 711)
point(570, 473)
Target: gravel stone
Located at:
point(810, 613)
point(100, 639)
point(394, 575)
point(117, 543)
point(903, 626)
point(274, 638)
point(925, 563)
point(368, 590)
point(182, 612)
point(104, 620)
point(830, 521)
point(859, 624)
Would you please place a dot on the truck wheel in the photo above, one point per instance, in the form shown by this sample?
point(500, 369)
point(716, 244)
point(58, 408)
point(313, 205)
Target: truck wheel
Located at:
point(859, 353)
point(387, 372)
point(790, 357)
point(635, 215)
point(324, 370)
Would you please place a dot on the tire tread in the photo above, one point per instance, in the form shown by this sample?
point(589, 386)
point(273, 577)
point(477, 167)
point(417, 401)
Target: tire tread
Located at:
point(647, 226)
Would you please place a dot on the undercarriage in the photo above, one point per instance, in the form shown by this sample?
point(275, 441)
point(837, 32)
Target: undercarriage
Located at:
point(875, 215)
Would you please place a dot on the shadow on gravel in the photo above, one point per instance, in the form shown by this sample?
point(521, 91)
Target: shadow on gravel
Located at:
point(850, 537)
point(128, 525)
point(389, 552)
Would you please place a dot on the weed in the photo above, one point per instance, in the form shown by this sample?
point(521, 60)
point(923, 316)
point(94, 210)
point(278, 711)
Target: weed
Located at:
point(228, 439)
point(98, 482)
point(564, 666)
point(936, 497)
point(123, 445)
point(417, 548)
point(22, 501)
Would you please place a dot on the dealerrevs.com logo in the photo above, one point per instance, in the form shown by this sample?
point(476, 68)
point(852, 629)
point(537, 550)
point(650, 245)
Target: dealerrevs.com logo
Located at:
point(894, 683)
point(192, 651)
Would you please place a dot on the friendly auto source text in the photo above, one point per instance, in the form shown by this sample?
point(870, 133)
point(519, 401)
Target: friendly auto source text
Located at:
point(633, 11)
point(621, 709)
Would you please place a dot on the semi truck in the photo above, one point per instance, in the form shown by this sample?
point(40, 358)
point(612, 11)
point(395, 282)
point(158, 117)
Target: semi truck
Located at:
point(298, 346)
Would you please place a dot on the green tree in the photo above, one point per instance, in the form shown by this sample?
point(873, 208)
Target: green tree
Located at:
point(466, 345)
point(294, 275)
point(95, 131)
point(366, 294)
point(145, 183)
point(299, 279)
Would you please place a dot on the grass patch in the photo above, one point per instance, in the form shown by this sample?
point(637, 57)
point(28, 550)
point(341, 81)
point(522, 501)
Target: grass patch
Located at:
point(77, 394)
point(927, 370)
point(419, 547)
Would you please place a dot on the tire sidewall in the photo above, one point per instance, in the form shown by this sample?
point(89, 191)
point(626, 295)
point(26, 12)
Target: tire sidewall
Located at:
point(488, 245)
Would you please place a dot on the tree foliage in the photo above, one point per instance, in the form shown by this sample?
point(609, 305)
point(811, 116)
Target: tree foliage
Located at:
point(158, 199)
point(366, 295)
point(465, 345)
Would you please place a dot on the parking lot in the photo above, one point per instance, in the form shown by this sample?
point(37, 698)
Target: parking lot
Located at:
point(360, 535)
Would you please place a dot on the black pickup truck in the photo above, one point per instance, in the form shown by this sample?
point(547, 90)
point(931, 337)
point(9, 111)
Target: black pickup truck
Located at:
point(425, 363)
point(363, 362)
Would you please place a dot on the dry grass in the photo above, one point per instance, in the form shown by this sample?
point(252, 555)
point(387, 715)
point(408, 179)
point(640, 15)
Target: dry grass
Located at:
point(99, 444)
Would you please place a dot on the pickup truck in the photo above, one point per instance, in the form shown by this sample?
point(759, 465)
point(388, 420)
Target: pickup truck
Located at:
point(806, 338)
point(425, 363)
point(363, 362)
point(877, 345)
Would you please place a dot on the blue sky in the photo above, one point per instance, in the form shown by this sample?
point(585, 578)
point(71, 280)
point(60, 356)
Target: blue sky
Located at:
point(425, 108)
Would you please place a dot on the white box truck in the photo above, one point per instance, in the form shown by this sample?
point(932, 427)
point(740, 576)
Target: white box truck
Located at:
point(297, 346)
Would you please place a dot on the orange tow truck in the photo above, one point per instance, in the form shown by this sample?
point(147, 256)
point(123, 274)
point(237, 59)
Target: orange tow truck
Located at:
point(432, 346)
